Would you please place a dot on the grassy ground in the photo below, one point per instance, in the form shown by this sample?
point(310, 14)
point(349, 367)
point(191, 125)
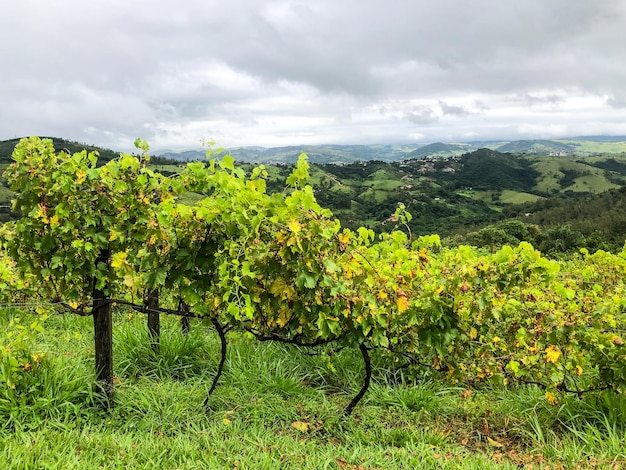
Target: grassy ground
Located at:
point(516, 197)
point(278, 407)
point(589, 179)
point(584, 146)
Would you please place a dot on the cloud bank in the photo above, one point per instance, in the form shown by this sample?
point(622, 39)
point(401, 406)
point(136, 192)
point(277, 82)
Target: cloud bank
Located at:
point(253, 72)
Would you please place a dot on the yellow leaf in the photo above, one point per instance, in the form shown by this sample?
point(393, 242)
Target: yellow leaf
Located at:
point(295, 226)
point(552, 354)
point(38, 356)
point(382, 295)
point(301, 426)
point(403, 304)
point(493, 442)
point(579, 370)
point(551, 398)
point(344, 238)
point(80, 176)
point(278, 286)
point(130, 281)
point(473, 333)
point(283, 316)
point(495, 339)
point(119, 259)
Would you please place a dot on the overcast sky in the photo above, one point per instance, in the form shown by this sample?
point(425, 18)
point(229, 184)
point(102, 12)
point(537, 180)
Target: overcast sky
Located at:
point(286, 72)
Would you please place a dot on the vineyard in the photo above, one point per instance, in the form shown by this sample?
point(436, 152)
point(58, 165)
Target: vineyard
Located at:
point(95, 240)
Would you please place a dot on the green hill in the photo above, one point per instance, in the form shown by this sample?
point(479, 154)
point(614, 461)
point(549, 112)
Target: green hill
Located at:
point(487, 169)
point(445, 194)
point(452, 194)
point(321, 154)
point(439, 149)
point(538, 147)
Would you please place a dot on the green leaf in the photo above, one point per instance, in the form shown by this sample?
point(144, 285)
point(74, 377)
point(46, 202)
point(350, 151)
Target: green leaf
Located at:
point(300, 174)
point(514, 366)
point(190, 296)
point(227, 163)
point(156, 277)
point(305, 280)
point(234, 311)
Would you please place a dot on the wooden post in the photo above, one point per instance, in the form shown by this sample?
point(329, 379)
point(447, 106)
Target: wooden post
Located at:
point(185, 325)
point(154, 319)
point(103, 335)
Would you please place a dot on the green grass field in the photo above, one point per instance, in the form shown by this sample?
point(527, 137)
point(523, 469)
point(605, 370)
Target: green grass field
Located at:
point(516, 197)
point(586, 146)
point(589, 179)
point(279, 407)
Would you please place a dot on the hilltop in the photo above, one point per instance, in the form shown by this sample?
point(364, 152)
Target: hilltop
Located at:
point(345, 154)
point(446, 191)
point(449, 195)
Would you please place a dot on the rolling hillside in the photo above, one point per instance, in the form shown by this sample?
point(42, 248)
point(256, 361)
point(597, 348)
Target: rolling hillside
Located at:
point(446, 195)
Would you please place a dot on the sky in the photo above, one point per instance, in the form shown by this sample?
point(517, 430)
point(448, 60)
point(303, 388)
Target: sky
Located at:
point(291, 72)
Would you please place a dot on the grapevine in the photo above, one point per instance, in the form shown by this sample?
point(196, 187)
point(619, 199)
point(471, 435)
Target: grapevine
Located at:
point(281, 268)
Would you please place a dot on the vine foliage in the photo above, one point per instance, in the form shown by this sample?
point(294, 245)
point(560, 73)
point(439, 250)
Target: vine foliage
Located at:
point(281, 268)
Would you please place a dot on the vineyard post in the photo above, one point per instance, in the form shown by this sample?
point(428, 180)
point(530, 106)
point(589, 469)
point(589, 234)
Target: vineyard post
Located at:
point(185, 325)
point(154, 319)
point(103, 334)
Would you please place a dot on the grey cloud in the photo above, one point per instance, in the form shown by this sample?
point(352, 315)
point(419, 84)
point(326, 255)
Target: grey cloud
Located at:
point(617, 101)
point(112, 69)
point(421, 115)
point(535, 99)
point(452, 110)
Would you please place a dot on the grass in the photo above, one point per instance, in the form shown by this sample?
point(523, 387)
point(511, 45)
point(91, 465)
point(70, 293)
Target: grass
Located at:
point(590, 179)
point(584, 146)
point(278, 407)
point(593, 183)
point(374, 195)
point(515, 197)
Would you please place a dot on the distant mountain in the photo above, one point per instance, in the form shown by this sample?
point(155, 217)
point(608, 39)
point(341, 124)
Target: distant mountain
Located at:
point(537, 147)
point(344, 154)
point(600, 138)
point(439, 149)
point(317, 153)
